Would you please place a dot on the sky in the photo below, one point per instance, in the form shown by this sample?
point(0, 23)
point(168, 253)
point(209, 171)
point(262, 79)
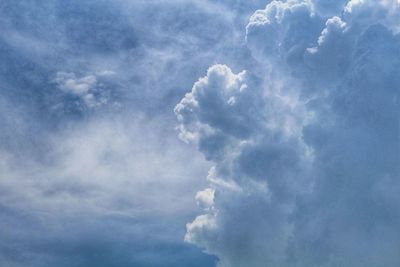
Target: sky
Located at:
point(200, 133)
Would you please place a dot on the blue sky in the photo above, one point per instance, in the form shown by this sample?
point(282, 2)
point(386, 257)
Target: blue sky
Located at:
point(201, 133)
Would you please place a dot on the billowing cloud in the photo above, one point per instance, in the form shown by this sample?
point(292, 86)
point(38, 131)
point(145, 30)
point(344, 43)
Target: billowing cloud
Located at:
point(218, 109)
point(313, 181)
point(257, 163)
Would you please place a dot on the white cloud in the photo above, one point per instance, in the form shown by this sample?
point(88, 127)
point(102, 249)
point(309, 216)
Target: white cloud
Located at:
point(92, 89)
point(221, 106)
point(69, 83)
point(205, 198)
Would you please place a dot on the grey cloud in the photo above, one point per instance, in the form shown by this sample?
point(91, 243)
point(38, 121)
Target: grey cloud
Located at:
point(307, 187)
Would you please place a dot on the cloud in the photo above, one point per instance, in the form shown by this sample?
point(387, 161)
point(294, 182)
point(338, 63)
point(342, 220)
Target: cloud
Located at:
point(282, 30)
point(82, 176)
point(298, 124)
point(254, 168)
point(312, 182)
point(329, 7)
point(70, 84)
point(205, 198)
point(91, 89)
point(85, 38)
point(100, 189)
point(80, 87)
point(225, 92)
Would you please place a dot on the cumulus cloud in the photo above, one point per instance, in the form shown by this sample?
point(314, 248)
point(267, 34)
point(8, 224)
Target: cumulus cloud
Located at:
point(254, 168)
point(313, 181)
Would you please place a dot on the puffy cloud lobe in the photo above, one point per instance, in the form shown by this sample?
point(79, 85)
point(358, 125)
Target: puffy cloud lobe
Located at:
point(329, 7)
point(282, 31)
point(205, 198)
point(363, 13)
point(221, 106)
point(331, 57)
point(333, 54)
point(327, 193)
point(293, 35)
